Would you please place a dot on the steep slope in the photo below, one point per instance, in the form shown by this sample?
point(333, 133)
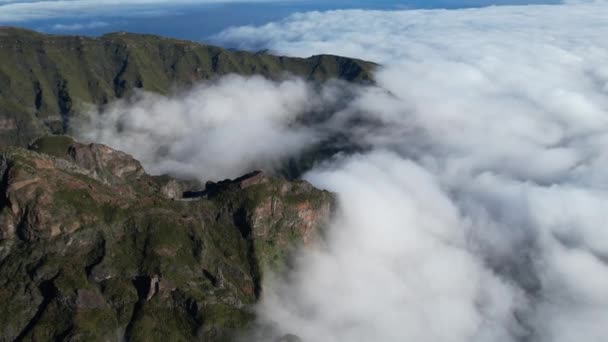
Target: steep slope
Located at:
point(46, 79)
point(92, 248)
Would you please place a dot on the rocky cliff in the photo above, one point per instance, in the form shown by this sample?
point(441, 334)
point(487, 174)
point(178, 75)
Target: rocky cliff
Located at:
point(93, 248)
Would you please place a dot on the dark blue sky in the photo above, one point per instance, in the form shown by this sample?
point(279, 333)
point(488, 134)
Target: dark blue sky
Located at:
point(199, 22)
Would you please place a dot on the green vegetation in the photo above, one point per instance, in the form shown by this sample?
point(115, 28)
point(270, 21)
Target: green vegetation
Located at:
point(53, 145)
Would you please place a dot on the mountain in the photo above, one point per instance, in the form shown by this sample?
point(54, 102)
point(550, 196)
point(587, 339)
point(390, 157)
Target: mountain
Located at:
point(45, 79)
point(93, 248)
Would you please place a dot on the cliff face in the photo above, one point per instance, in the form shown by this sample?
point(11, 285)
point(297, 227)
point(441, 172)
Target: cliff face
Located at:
point(45, 80)
point(93, 248)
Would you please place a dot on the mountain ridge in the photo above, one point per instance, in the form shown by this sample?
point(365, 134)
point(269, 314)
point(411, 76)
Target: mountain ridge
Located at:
point(46, 80)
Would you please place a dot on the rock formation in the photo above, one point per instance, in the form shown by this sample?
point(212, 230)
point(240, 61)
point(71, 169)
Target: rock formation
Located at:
point(93, 248)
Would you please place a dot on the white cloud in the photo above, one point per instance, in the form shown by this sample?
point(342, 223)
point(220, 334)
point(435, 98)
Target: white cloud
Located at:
point(79, 26)
point(478, 214)
point(214, 131)
point(14, 11)
point(397, 266)
point(387, 36)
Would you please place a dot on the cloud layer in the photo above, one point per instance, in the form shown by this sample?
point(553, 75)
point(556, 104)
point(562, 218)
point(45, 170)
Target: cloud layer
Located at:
point(478, 212)
point(487, 223)
point(425, 35)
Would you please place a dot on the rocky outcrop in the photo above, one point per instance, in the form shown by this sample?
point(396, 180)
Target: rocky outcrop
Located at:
point(91, 248)
point(111, 167)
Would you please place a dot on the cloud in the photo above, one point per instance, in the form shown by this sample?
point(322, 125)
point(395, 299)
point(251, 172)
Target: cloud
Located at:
point(79, 26)
point(475, 209)
point(214, 131)
point(388, 36)
point(14, 11)
point(397, 267)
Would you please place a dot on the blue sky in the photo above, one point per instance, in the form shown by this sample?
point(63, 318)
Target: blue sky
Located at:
point(189, 19)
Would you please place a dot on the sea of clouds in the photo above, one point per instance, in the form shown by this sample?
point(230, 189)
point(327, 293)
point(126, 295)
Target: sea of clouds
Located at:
point(477, 211)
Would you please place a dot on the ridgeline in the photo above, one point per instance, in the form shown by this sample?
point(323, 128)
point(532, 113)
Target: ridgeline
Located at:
point(45, 80)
